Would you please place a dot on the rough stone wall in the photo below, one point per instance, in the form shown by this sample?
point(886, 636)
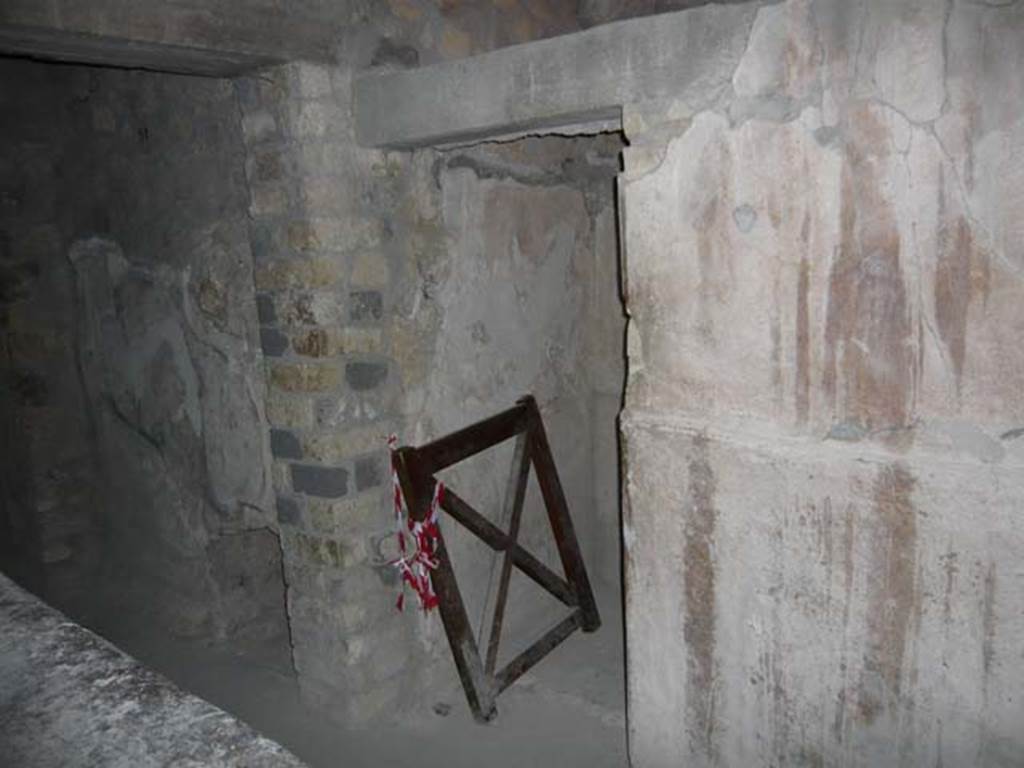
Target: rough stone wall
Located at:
point(130, 348)
point(824, 475)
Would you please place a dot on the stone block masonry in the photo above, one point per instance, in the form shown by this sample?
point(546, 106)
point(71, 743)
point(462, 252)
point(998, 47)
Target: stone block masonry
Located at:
point(323, 226)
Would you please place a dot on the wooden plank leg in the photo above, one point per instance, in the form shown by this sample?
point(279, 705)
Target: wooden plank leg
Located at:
point(514, 497)
point(476, 682)
point(561, 522)
point(418, 491)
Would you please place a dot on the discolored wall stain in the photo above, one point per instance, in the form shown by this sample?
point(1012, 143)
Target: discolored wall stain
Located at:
point(711, 217)
point(699, 597)
point(706, 264)
point(803, 343)
point(950, 568)
point(893, 599)
point(870, 361)
point(989, 622)
point(776, 341)
point(961, 274)
point(844, 696)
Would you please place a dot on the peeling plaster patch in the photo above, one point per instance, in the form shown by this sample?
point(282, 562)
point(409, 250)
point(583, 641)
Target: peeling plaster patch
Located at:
point(910, 65)
point(745, 217)
point(781, 56)
point(478, 331)
point(967, 438)
point(826, 135)
point(847, 432)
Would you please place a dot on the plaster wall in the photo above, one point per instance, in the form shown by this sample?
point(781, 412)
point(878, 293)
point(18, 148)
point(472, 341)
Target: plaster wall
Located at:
point(531, 257)
point(133, 408)
point(823, 485)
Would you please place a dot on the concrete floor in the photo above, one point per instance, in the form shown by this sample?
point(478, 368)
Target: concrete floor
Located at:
point(569, 708)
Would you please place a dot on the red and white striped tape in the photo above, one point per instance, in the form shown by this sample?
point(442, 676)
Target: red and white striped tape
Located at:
point(415, 568)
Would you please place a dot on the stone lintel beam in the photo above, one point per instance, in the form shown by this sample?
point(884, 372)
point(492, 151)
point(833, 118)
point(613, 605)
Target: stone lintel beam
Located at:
point(555, 85)
point(216, 39)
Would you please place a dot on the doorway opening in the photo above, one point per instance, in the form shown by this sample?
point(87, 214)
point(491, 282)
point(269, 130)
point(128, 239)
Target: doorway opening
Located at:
point(532, 304)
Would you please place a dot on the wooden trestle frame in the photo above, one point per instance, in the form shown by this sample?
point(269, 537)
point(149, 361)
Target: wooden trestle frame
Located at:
point(416, 469)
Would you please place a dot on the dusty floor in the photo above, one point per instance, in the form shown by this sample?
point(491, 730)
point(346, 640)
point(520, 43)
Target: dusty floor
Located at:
point(569, 709)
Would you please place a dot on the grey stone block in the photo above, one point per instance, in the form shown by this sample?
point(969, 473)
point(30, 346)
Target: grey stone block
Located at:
point(273, 342)
point(366, 306)
point(326, 482)
point(391, 54)
point(247, 89)
point(262, 241)
point(288, 512)
point(265, 309)
point(362, 377)
point(369, 473)
point(284, 444)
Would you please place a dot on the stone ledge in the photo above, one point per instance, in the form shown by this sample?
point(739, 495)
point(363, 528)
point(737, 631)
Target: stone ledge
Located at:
point(68, 693)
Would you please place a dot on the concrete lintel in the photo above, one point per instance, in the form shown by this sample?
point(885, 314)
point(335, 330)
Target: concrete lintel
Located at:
point(547, 85)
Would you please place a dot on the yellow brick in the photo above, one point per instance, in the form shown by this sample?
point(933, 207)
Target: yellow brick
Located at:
point(280, 476)
point(290, 412)
point(358, 516)
point(359, 341)
point(312, 342)
point(305, 377)
point(297, 273)
point(333, 447)
point(370, 270)
point(302, 237)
